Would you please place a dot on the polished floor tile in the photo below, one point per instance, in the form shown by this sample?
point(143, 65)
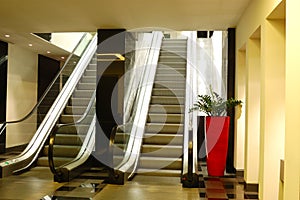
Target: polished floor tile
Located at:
point(149, 188)
point(38, 184)
point(229, 186)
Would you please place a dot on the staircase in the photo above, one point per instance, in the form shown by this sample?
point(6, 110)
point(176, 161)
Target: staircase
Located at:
point(69, 139)
point(163, 138)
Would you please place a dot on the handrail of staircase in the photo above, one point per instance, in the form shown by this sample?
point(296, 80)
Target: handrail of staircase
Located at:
point(131, 95)
point(190, 160)
point(130, 160)
point(46, 91)
point(56, 172)
point(30, 154)
point(3, 59)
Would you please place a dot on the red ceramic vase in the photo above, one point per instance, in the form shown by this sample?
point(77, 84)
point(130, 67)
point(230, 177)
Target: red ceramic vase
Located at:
point(217, 130)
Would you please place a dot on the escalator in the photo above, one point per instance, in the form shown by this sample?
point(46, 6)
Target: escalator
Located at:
point(154, 138)
point(68, 140)
point(66, 111)
point(163, 138)
point(160, 138)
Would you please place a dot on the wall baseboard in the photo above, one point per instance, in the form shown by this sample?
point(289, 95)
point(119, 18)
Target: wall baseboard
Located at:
point(251, 187)
point(240, 173)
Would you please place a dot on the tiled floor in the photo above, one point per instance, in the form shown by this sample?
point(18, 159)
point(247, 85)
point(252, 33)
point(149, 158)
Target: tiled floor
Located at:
point(84, 187)
point(38, 184)
point(229, 187)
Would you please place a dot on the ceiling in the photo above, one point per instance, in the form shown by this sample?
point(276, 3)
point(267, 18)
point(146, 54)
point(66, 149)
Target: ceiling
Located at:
point(20, 18)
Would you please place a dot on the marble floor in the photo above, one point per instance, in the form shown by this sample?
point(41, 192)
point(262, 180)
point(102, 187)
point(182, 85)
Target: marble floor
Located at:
point(38, 184)
point(229, 187)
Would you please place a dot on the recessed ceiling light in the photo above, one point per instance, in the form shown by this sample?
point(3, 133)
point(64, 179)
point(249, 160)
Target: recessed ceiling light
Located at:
point(7, 36)
point(48, 51)
point(30, 45)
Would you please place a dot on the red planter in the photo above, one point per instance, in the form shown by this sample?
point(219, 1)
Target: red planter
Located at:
point(217, 130)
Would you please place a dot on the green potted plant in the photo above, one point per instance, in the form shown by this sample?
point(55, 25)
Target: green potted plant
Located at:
point(216, 129)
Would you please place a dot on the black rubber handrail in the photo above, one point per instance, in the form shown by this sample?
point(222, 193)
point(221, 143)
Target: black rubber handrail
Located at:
point(46, 91)
point(56, 172)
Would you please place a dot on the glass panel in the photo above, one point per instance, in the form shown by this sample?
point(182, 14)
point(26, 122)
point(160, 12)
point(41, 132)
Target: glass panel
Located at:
point(27, 126)
point(76, 118)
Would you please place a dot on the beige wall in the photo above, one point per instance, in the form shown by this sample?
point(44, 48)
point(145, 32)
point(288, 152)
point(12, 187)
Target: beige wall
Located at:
point(239, 129)
point(252, 104)
point(266, 19)
point(21, 94)
point(292, 139)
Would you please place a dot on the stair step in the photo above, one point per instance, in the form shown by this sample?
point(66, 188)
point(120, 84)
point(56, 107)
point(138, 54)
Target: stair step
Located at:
point(73, 129)
point(92, 66)
point(160, 172)
point(67, 151)
point(170, 77)
point(83, 93)
point(121, 137)
point(167, 100)
point(58, 161)
point(164, 118)
point(88, 79)
point(169, 84)
point(173, 53)
point(86, 86)
point(76, 110)
point(161, 139)
point(167, 92)
point(118, 149)
point(172, 47)
point(69, 139)
point(164, 128)
point(160, 163)
point(74, 101)
point(66, 119)
point(172, 58)
point(170, 64)
point(170, 151)
point(166, 109)
point(170, 70)
point(90, 73)
point(172, 40)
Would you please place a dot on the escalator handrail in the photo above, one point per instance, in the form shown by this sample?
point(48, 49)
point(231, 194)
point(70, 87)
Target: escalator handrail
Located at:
point(30, 154)
point(134, 145)
point(190, 160)
point(132, 108)
point(58, 126)
point(58, 101)
point(46, 91)
point(82, 156)
point(3, 59)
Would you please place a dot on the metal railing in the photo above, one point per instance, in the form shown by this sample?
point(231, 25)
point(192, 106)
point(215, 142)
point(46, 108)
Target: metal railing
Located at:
point(29, 155)
point(190, 154)
point(57, 77)
point(148, 60)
